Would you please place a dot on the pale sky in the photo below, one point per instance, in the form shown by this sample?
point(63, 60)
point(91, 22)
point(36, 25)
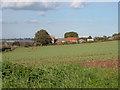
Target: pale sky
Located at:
point(22, 20)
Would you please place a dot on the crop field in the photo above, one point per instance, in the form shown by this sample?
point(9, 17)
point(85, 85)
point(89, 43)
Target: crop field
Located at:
point(88, 65)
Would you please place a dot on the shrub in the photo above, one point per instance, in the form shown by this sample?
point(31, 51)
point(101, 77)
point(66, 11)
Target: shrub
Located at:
point(28, 44)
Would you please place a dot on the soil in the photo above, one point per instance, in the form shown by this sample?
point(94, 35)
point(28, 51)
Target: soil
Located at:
point(102, 64)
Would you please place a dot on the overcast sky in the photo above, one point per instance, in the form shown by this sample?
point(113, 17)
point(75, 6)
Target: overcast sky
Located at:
point(22, 20)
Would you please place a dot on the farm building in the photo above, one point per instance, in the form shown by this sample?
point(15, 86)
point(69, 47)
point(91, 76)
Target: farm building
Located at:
point(53, 39)
point(61, 40)
point(111, 38)
point(72, 39)
point(82, 41)
point(90, 40)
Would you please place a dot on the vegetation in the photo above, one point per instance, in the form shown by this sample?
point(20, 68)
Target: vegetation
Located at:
point(104, 38)
point(64, 76)
point(42, 38)
point(28, 44)
point(16, 43)
point(70, 34)
point(116, 36)
point(89, 37)
point(60, 66)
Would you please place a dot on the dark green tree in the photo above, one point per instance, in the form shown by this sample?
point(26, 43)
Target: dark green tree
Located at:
point(70, 34)
point(16, 43)
point(89, 37)
point(42, 38)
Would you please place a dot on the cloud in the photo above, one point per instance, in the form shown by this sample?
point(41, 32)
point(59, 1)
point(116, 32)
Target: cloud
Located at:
point(1, 21)
point(41, 13)
point(8, 22)
point(42, 6)
point(49, 22)
point(77, 4)
point(29, 21)
point(32, 21)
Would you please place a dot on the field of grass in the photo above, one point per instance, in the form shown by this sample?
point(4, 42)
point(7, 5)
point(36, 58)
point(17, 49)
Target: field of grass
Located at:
point(60, 66)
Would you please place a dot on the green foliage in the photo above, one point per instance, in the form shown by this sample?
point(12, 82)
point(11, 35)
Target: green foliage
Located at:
point(6, 48)
point(42, 38)
point(28, 44)
point(16, 43)
point(116, 36)
point(70, 34)
point(65, 76)
point(104, 38)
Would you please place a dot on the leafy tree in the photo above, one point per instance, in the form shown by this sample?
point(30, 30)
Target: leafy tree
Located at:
point(70, 34)
point(116, 36)
point(42, 38)
point(16, 43)
point(104, 38)
point(89, 37)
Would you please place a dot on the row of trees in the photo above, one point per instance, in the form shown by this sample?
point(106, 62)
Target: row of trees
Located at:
point(43, 38)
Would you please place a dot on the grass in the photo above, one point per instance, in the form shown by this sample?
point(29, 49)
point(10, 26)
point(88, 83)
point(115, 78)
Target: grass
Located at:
point(59, 66)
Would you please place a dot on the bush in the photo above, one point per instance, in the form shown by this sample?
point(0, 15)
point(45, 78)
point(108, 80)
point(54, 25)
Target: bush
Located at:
point(16, 43)
point(6, 48)
point(65, 76)
point(28, 44)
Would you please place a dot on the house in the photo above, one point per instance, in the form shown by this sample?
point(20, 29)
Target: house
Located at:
point(73, 39)
point(68, 40)
point(82, 41)
point(90, 40)
point(53, 39)
point(61, 40)
point(111, 38)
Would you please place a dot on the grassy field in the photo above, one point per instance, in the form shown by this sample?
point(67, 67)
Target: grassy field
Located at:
point(60, 66)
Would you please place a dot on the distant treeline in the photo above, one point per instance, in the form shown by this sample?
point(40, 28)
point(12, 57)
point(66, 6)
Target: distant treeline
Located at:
point(19, 39)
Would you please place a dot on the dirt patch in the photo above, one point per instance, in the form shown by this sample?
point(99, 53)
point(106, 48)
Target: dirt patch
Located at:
point(102, 64)
point(101, 54)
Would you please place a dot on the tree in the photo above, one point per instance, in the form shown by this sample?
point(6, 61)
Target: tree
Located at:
point(42, 38)
point(70, 34)
point(105, 38)
point(116, 36)
point(16, 43)
point(89, 37)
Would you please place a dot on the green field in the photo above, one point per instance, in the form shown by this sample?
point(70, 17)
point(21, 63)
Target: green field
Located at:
point(60, 66)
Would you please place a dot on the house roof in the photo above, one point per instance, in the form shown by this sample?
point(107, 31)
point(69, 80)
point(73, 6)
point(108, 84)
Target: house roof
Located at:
point(72, 38)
